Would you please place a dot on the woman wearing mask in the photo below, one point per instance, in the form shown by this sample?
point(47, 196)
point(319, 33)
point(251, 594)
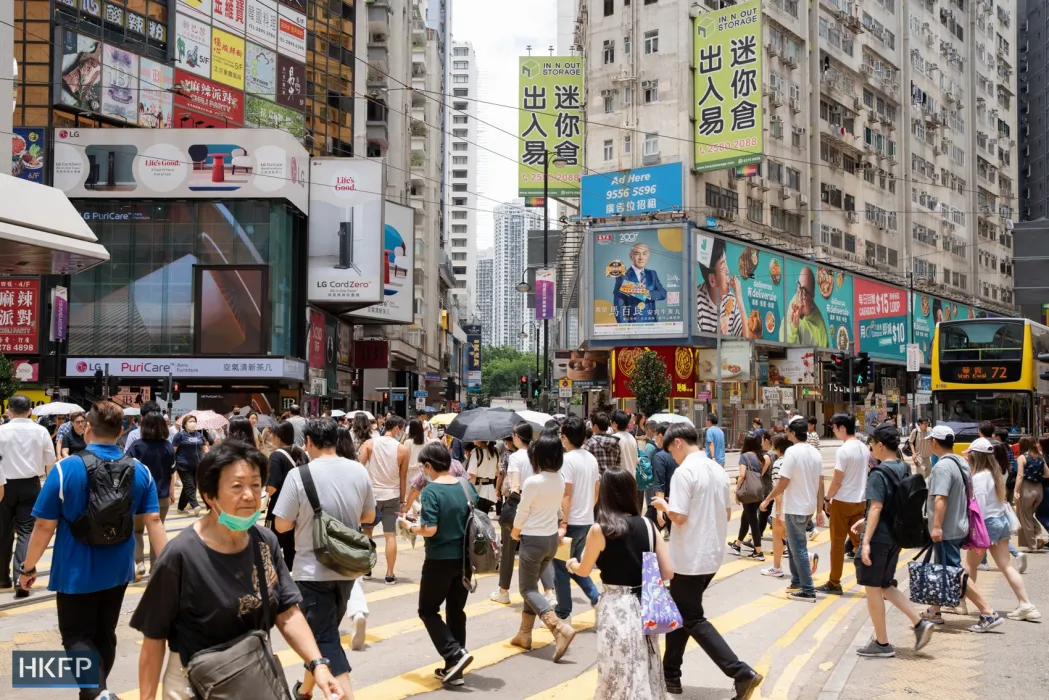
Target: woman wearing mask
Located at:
point(285, 457)
point(988, 487)
point(190, 447)
point(536, 528)
point(629, 664)
point(483, 469)
point(154, 451)
point(754, 460)
point(1031, 468)
point(205, 591)
point(74, 441)
point(442, 522)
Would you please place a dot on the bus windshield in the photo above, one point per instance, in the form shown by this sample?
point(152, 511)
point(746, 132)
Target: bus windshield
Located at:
point(964, 411)
point(981, 341)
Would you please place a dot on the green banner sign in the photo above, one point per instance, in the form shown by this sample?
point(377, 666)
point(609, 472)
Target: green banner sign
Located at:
point(727, 98)
point(739, 289)
point(550, 98)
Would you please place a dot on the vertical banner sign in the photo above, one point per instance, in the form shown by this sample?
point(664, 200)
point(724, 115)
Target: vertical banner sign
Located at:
point(881, 320)
point(19, 306)
point(544, 294)
point(473, 355)
point(316, 339)
point(728, 46)
point(550, 125)
point(59, 313)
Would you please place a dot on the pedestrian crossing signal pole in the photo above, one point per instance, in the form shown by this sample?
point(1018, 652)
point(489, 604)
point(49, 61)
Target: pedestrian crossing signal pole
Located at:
point(168, 392)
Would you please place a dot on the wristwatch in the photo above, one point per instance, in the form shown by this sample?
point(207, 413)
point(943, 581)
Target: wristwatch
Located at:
point(312, 665)
point(28, 572)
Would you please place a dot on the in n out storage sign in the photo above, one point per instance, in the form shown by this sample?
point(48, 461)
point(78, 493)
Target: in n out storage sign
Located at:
point(550, 97)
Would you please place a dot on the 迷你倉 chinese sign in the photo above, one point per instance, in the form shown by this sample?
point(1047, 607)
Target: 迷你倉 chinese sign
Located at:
point(727, 45)
point(550, 97)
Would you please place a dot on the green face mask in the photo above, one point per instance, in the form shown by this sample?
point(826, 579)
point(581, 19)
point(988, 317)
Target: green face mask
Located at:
point(239, 523)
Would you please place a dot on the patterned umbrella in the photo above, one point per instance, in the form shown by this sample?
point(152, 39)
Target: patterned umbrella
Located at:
point(208, 420)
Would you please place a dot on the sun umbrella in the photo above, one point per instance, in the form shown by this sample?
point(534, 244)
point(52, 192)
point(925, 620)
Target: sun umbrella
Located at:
point(483, 424)
point(443, 418)
point(336, 413)
point(208, 420)
point(536, 418)
point(57, 408)
point(669, 418)
point(266, 421)
point(132, 411)
point(366, 414)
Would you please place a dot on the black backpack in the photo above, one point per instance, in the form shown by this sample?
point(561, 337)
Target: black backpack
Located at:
point(109, 515)
point(905, 511)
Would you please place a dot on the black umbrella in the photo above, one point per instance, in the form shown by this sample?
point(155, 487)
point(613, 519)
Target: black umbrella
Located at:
point(485, 424)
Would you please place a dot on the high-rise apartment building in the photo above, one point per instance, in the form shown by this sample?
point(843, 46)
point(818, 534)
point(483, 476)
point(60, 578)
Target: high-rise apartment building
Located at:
point(512, 223)
point(1033, 47)
point(461, 173)
point(889, 130)
point(485, 299)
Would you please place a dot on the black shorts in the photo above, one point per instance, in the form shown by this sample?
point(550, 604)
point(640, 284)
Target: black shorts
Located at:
point(882, 571)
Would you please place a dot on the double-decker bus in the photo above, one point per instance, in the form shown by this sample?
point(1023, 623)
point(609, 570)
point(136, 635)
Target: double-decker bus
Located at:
point(987, 370)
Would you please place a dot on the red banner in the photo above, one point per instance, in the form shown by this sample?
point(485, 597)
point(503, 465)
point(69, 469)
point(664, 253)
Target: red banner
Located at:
point(208, 97)
point(316, 339)
point(371, 354)
point(19, 315)
point(680, 362)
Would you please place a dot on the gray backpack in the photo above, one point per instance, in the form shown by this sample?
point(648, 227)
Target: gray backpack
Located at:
point(481, 542)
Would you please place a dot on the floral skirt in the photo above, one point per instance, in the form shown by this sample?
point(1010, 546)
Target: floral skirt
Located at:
point(628, 663)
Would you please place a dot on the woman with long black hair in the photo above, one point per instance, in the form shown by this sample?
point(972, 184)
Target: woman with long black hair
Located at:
point(483, 470)
point(751, 458)
point(415, 439)
point(240, 429)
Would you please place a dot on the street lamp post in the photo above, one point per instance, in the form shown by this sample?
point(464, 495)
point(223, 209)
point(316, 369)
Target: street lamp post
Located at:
point(546, 262)
point(523, 335)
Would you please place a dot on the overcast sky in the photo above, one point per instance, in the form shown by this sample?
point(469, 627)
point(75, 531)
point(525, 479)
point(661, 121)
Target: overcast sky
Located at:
point(499, 32)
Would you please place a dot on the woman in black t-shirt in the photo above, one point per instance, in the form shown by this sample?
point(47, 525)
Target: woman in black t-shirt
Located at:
point(204, 590)
point(629, 665)
point(285, 457)
point(74, 440)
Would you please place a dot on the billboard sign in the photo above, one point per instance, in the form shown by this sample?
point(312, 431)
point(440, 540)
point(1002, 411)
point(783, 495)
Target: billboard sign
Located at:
point(346, 259)
point(637, 282)
point(728, 86)
point(192, 45)
point(156, 81)
point(680, 363)
point(545, 281)
point(881, 320)
point(632, 192)
point(261, 21)
point(291, 83)
point(227, 59)
point(28, 153)
point(210, 98)
point(188, 367)
point(19, 315)
point(473, 356)
point(588, 369)
point(120, 84)
point(398, 267)
point(187, 163)
point(291, 33)
point(739, 289)
point(550, 125)
point(798, 367)
point(819, 313)
point(260, 71)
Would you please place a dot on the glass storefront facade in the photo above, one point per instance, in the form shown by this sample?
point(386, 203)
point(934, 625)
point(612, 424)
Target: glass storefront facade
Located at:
point(142, 301)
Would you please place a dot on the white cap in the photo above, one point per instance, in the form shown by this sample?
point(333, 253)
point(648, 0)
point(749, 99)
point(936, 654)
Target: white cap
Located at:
point(981, 445)
point(940, 432)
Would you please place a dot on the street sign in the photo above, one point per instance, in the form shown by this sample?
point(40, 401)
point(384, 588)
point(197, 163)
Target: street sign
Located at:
point(770, 394)
point(564, 388)
point(420, 403)
point(735, 399)
point(396, 397)
point(421, 394)
point(914, 357)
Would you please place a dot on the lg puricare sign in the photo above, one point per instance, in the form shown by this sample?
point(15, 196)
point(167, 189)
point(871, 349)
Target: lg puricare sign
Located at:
point(184, 368)
point(346, 250)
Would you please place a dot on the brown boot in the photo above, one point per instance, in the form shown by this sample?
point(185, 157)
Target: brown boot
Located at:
point(562, 631)
point(523, 638)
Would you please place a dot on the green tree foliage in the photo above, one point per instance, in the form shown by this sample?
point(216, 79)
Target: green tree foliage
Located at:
point(650, 383)
point(501, 371)
point(8, 383)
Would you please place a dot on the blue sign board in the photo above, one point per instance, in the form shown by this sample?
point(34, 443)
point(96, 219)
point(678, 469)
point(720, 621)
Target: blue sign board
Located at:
point(632, 192)
point(396, 397)
point(712, 223)
point(420, 394)
point(925, 383)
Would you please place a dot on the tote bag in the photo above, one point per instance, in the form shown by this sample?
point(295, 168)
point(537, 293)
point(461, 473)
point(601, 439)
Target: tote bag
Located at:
point(659, 614)
point(935, 584)
point(751, 490)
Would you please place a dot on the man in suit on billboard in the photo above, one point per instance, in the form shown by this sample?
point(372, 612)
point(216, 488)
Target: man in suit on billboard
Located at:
point(638, 290)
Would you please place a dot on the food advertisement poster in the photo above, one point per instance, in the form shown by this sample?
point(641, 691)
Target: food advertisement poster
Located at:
point(19, 315)
point(637, 282)
point(260, 71)
point(728, 84)
point(819, 313)
point(210, 98)
point(680, 362)
point(28, 153)
point(119, 84)
point(227, 59)
point(550, 102)
point(192, 45)
point(735, 362)
point(154, 94)
point(739, 289)
point(81, 71)
point(881, 320)
point(798, 367)
point(930, 310)
point(291, 83)
point(588, 369)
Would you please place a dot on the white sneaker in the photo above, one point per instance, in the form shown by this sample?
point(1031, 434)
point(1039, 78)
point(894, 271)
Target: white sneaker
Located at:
point(1025, 612)
point(360, 631)
point(984, 567)
point(814, 534)
point(773, 572)
point(500, 597)
point(1021, 562)
point(551, 596)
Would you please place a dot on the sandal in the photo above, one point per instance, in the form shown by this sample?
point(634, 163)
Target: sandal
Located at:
point(930, 616)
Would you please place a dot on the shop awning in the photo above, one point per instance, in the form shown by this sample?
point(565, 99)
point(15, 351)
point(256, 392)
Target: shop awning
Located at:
point(41, 232)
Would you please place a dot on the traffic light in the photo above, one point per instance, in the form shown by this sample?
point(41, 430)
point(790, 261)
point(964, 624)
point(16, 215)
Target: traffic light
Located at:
point(385, 396)
point(1044, 357)
point(449, 388)
point(100, 378)
point(176, 391)
point(861, 369)
point(160, 391)
point(523, 386)
point(839, 368)
point(537, 387)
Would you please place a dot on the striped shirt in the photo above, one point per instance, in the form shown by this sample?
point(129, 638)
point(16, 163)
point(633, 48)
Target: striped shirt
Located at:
point(708, 313)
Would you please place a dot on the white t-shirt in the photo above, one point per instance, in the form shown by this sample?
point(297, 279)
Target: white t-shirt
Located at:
point(803, 465)
point(541, 496)
point(628, 457)
point(700, 490)
point(519, 464)
point(484, 466)
point(580, 470)
point(983, 490)
point(852, 462)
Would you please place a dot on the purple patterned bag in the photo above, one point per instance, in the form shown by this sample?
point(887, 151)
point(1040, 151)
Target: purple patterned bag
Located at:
point(659, 614)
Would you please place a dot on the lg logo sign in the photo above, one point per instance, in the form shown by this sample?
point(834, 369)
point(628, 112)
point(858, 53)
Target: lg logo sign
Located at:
point(81, 367)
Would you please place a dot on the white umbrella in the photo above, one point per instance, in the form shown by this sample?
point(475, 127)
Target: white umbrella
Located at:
point(132, 411)
point(669, 418)
point(57, 408)
point(366, 414)
point(336, 413)
point(536, 418)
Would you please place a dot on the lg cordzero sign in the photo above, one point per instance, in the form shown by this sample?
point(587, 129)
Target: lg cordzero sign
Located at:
point(346, 258)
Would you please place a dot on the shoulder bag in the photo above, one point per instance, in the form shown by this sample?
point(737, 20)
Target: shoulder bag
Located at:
point(339, 547)
point(751, 490)
point(659, 613)
point(244, 667)
point(935, 584)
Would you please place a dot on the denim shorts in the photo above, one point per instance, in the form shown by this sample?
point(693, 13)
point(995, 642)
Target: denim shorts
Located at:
point(952, 552)
point(997, 528)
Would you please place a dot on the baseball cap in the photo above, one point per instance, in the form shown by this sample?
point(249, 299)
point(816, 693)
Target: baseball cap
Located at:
point(886, 433)
point(981, 445)
point(940, 432)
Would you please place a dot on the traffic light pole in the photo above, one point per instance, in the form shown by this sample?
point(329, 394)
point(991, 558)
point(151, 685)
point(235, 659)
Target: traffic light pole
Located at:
point(170, 396)
point(851, 384)
point(546, 263)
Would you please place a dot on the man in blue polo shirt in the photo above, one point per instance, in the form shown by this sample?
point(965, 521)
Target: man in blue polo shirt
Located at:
point(715, 440)
point(89, 579)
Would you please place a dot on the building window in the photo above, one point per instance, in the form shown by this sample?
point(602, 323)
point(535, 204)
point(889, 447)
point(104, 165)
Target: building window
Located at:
point(458, 257)
point(459, 119)
point(651, 145)
point(460, 92)
point(461, 79)
point(609, 51)
point(755, 210)
point(651, 91)
point(460, 106)
point(459, 174)
point(608, 149)
point(459, 242)
point(459, 187)
point(793, 179)
point(458, 228)
point(459, 160)
point(459, 146)
point(608, 104)
point(626, 45)
point(459, 133)
point(460, 65)
point(459, 215)
point(652, 42)
point(458, 201)
point(628, 96)
point(720, 198)
point(461, 51)
point(610, 7)
point(626, 144)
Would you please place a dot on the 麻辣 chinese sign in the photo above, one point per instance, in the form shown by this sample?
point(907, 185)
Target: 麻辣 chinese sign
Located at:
point(727, 45)
point(19, 305)
point(550, 95)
